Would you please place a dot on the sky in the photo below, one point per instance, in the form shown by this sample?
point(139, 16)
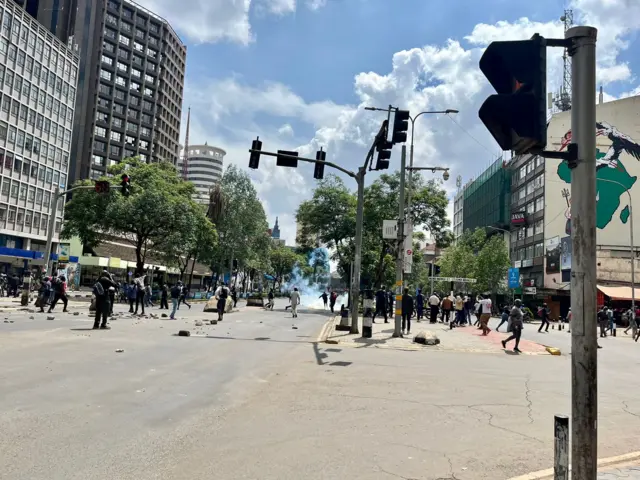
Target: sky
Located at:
point(298, 73)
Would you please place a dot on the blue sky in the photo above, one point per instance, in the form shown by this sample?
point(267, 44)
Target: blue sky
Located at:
point(299, 72)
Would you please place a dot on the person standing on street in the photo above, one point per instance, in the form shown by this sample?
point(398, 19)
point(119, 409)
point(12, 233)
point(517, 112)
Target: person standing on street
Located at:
point(516, 326)
point(544, 316)
point(221, 295)
point(234, 296)
point(381, 305)
point(333, 297)
point(447, 306)
point(139, 288)
point(295, 301)
point(407, 312)
point(419, 304)
point(175, 298)
point(103, 307)
point(184, 294)
point(164, 294)
point(485, 314)
point(434, 303)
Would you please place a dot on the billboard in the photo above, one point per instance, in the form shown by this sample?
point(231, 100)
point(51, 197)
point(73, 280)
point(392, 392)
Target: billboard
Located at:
point(617, 171)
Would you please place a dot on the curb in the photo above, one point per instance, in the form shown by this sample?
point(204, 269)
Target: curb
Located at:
point(327, 330)
point(603, 462)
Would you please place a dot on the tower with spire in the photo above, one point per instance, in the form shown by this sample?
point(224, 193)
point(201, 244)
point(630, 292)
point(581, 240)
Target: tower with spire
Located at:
point(275, 232)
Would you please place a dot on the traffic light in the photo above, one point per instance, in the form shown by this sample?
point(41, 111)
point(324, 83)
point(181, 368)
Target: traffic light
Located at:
point(400, 126)
point(254, 158)
point(282, 161)
point(102, 186)
point(517, 115)
point(125, 185)
point(436, 270)
point(318, 171)
point(384, 154)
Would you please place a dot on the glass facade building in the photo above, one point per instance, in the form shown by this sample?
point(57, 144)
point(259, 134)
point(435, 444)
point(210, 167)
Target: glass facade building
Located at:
point(487, 200)
point(38, 76)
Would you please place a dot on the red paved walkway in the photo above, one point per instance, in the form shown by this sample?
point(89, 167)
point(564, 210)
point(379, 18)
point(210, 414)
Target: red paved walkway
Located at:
point(495, 338)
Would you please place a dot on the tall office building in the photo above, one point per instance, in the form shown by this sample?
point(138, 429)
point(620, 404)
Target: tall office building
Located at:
point(38, 75)
point(130, 87)
point(204, 169)
point(58, 16)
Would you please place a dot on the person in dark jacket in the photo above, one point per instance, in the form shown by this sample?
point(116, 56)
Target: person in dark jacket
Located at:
point(420, 304)
point(103, 307)
point(407, 311)
point(60, 288)
point(164, 294)
point(544, 315)
point(381, 305)
point(175, 292)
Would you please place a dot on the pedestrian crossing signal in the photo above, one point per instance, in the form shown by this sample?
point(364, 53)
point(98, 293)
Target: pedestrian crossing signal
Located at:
point(102, 186)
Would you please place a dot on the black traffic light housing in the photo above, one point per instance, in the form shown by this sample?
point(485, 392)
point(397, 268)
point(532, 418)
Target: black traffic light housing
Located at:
point(254, 158)
point(125, 185)
point(384, 154)
point(436, 269)
point(318, 171)
point(517, 115)
point(102, 186)
point(400, 126)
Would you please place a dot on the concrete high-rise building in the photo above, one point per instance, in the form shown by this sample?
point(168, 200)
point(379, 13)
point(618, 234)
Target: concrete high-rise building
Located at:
point(130, 88)
point(204, 169)
point(38, 76)
point(58, 16)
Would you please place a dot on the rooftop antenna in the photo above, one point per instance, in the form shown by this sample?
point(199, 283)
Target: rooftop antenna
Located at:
point(185, 156)
point(563, 99)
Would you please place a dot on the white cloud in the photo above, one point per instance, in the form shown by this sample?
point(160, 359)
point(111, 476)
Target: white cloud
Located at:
point(433, 77)
point(279, 7)
point(316, 4)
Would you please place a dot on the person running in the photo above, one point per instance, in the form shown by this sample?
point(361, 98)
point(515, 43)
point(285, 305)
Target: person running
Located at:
point(325, 299)
point(516, 326)
point(295, 301)
point(544, 316)
point(221, 295)
point(504, 319)
point(333, 298)
point(184, 294)
point(60, 289)
point(271, 298)
point(485, 314)
point(43, 293)
point(381, 305)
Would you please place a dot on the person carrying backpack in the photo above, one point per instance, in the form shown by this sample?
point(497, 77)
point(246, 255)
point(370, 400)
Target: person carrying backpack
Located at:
point(175, 292)
point(101, 292)
point(221, 294)
point(43, 293)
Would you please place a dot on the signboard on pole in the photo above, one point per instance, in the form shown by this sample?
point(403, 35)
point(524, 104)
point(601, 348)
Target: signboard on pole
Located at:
point(514, 277)
point(455, 279)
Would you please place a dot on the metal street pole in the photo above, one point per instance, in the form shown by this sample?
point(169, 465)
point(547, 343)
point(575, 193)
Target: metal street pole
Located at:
point(355, 282)
point(631, 245)
point(397, 331)
point(433, 269)
point(53, 210)
point(584, 358)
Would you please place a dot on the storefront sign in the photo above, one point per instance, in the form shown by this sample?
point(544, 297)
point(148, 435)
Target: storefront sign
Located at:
point(518, 218)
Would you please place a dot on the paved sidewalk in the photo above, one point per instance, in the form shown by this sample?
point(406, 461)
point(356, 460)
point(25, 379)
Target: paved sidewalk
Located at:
point(628, 473)
point(462, 339)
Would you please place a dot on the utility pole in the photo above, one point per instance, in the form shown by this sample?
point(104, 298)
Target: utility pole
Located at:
point(53, 210)
point(354, 294)
point(397, 330)
point(584, 358)
point(433, 266)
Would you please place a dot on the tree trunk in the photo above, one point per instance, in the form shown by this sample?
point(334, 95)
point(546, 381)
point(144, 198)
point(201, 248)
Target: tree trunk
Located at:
point(380, 266)
point(139, 258)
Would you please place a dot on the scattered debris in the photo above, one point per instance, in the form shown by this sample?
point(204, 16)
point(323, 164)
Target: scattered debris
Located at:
point(214, 322)
point(10, 321)
point(6, 321)
point(119, 350)
point(164, 315)
point(76, 313)
point(184, 333)
point(31, 317)
point(50, 317)
point(199, 323)
point(294, 327)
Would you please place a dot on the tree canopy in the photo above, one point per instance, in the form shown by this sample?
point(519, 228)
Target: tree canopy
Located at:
point(159, 205)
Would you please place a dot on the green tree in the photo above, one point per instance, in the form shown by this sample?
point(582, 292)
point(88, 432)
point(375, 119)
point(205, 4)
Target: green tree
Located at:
point(154, 209)
point(492, 265)
point(282, 260)
point(240, 223)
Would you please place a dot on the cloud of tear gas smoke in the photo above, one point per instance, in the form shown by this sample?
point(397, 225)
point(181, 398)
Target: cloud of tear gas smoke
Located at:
point(310, 291)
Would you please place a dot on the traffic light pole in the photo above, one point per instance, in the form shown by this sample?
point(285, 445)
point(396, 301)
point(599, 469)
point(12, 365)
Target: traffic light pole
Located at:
point(584, 358)
point(53, 210)
point(397, 330)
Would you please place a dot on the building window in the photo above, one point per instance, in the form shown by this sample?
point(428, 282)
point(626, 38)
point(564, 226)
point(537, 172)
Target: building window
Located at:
point(145, 131)
point(529, 252)
point(152, 53)
point(138, 46)
point(100, 146)
point(126, 27)
point(136, 73)
point(120, 81)
point(106, 60)
point(110, 33)
point(530, 187)
point(122, 67)
point(522, 193)
point(109, 47)
point(123, 54)
point(105, 89)
point(539, 227)
point(102, 117)
point(98, 160)
point(146, 118)
point(132, 127)
point(523, 172)
point(112, 19)
point(144, 145)
point(100, 131)
point(138, 60)
point(134, 101)
point(114, 150)
point(539, 204)
point(117, 122)
point(133, 114)
point(104, 103)
point(148, 92)
point(117, 108)
point(116, 136)
point(539, 250)
point(149, 79)
point(147, 105)
point(124, 40)
point(539, 161)
point(120, 95)
point(139, 34)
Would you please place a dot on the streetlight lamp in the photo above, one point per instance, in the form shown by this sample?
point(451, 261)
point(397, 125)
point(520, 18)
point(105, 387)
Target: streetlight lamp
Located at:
point(631, 247)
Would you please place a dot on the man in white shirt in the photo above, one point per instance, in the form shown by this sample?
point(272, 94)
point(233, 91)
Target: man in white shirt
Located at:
point(485, 314)
point(295, 301)
point(434, 302)
point(221, 294)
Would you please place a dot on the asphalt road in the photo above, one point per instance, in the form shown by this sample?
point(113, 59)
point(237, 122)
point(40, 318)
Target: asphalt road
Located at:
point(74, 408)
point(254, 398)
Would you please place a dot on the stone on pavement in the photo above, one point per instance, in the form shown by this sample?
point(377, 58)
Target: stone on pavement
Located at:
point(212, 305)
point(426, 338)
point(184, 333)
point(199, 323)
point(51, 317)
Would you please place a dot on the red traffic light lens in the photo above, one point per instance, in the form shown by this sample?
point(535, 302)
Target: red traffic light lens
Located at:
point(125, 177)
